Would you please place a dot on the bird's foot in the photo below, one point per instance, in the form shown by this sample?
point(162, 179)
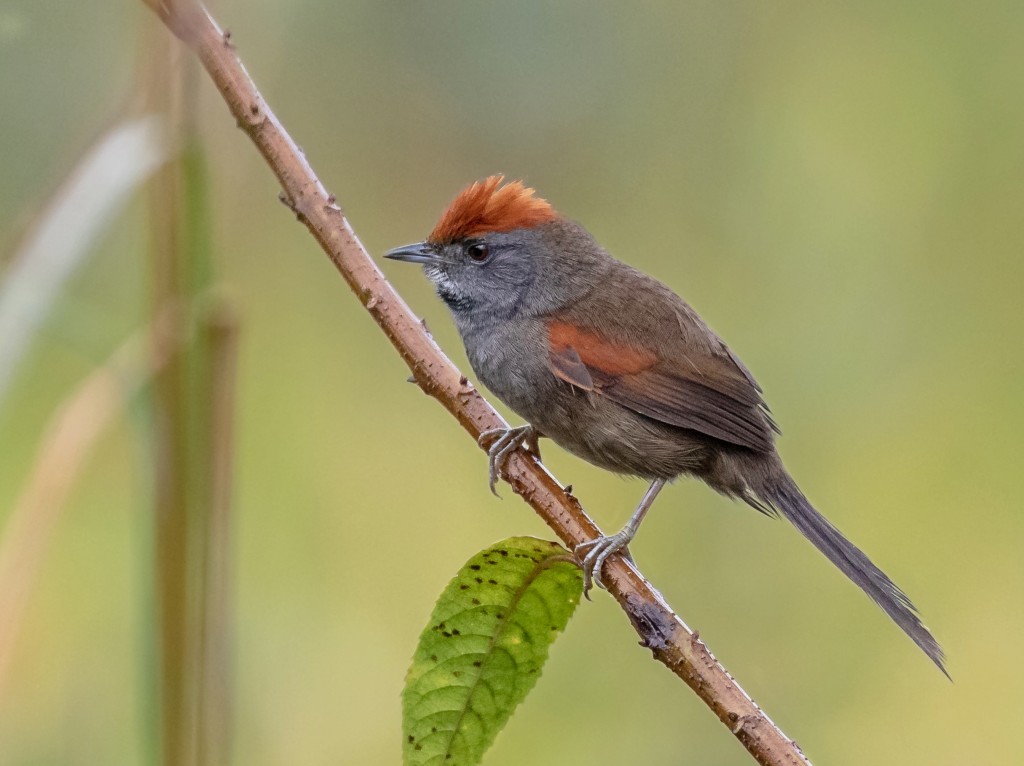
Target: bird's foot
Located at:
point(593, 553)
point(503, 442)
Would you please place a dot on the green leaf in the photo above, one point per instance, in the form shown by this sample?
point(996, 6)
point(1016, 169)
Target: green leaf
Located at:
point(484, 648)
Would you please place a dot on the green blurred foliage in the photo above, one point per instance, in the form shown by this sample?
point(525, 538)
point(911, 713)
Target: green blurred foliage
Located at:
point(837, 188)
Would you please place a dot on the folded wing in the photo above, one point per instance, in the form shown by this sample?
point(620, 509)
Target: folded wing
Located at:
point(685, 385)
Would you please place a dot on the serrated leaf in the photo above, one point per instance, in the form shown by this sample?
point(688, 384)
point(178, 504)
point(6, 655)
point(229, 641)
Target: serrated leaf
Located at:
point(484, 648)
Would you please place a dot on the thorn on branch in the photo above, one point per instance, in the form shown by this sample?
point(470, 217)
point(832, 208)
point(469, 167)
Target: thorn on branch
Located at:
point(741, 721)
point(466, 389)
point(425, 384)
point(289, 203)
point(227, 39)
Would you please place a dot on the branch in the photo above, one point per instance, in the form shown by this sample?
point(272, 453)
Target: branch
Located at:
point(660, 629)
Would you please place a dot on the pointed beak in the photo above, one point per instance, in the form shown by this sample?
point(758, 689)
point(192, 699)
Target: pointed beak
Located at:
point(419, 252)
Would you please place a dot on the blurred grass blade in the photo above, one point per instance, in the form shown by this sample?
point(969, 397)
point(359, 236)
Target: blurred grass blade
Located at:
point(67, 443)
point(68, 227)
point(484, 648)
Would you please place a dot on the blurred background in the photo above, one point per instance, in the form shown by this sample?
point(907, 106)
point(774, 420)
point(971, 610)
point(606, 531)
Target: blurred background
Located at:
point(837, 189)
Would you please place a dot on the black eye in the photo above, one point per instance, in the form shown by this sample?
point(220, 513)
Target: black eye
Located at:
point(478, 252)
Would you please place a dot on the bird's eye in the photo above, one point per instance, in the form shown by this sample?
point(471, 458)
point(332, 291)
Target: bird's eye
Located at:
point(478, 252)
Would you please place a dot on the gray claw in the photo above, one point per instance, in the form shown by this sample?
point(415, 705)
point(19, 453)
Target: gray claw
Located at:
point(594, 553)
point(505, 441)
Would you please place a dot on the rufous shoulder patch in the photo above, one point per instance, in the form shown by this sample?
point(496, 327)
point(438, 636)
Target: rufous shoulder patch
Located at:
point(597, 353)
point(490, 206)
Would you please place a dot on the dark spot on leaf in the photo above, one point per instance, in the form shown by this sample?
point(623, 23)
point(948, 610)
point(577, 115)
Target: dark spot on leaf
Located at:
point(455, 632)
point(463, 587)
point(418, 746)
point(493, 582)
point(475, 601)
point(457, 673)
point(412, 738)
point(477, 664)
point(433, 730)
point(479, 579)
point(474, 567)
point(433, 658)
point(446, 634)
point(503, 553)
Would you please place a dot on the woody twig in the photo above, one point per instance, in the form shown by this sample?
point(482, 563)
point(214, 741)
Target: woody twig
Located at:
point(661, 630)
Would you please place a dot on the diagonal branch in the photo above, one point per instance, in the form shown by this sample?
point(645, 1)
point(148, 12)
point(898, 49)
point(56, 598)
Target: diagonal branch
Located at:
point(660, 629)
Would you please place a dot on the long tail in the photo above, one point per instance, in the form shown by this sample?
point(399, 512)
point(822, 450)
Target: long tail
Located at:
point(782, 493)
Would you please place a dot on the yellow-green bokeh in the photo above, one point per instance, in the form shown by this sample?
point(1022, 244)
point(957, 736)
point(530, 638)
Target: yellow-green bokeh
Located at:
point(837, 188)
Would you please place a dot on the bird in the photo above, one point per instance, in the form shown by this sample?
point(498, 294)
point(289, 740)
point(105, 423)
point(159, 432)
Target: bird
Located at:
point(616, 368)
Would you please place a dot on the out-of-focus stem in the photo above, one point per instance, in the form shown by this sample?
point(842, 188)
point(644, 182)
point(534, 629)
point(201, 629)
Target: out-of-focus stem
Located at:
point(218, 333)
point(191, 449)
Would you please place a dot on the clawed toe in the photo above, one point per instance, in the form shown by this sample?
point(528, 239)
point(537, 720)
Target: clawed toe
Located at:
point(490, 435)
point(503, 442)
point(593, 554)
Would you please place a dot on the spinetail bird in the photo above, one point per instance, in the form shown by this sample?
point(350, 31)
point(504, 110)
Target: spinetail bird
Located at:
point(616, 368)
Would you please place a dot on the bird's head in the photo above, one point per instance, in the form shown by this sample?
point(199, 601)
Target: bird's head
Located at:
point(501, 251)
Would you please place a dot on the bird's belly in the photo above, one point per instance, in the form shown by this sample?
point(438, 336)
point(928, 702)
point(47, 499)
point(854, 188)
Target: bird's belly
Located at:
point(615, 438)
point(584, 423)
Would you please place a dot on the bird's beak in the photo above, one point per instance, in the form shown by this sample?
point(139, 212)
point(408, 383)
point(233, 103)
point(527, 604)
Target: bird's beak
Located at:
point(419, 252)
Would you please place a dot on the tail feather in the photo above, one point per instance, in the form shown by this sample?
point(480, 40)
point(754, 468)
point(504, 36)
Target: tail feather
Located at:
point(782, 493)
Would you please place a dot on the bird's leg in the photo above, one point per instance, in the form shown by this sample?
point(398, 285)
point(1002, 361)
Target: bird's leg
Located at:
point(593, 553)
point(505, 441)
